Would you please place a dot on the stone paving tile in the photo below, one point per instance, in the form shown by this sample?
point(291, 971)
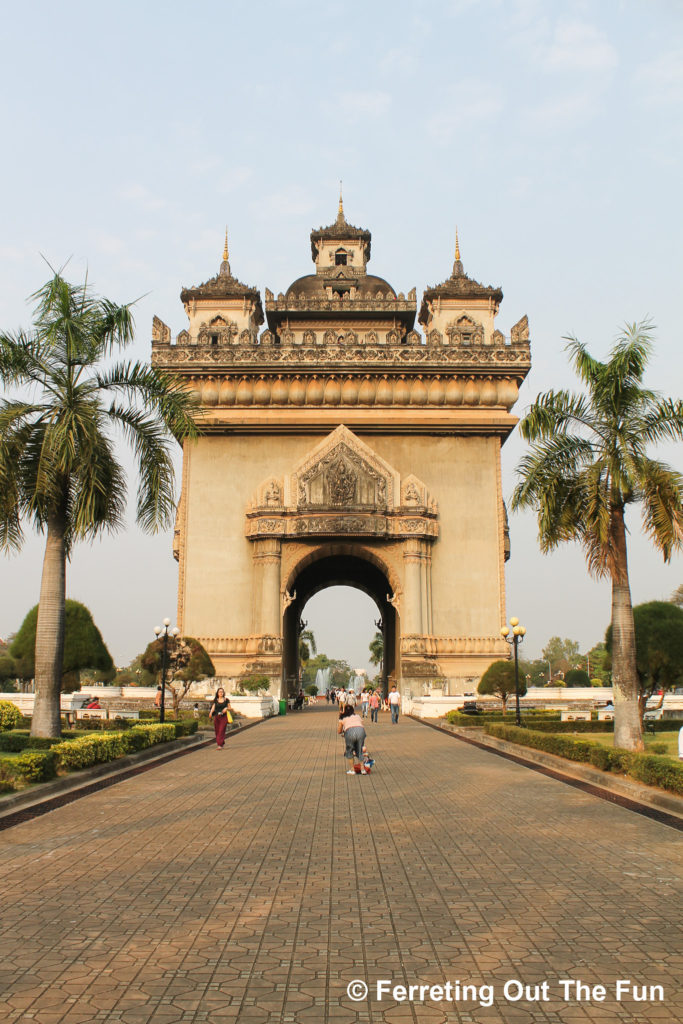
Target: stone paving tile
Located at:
point(254, 885)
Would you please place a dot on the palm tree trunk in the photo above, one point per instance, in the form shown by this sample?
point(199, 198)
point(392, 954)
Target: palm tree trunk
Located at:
point(628, 732)
point(50, 633)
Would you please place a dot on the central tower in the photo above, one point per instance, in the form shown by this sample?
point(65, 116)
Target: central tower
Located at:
point(340, 445)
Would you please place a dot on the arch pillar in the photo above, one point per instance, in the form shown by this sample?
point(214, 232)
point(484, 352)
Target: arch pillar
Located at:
point(267, 557)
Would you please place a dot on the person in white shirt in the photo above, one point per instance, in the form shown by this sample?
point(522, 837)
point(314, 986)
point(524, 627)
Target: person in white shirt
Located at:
point(394, 704)
point(341, 698)
point(351, 698)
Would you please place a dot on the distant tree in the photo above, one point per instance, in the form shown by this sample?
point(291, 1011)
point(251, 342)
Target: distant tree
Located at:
point(312, 690)
point(8, 673)
point(599, 664)
point(587, 463)
point(341, 672)
point(499, 680)
point(577, 677)
point(677, 596)
point(307, 645)
point(377, 649)
point(659, 646)
point(310, 669)
point(83, 645)
point(562, 654)
point(187, 663)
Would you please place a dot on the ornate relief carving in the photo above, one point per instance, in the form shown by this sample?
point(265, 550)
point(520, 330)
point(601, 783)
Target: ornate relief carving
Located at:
point(342, 482)
point(161, 334)
point(342, 487)
point(519, 334)
point(268, 353)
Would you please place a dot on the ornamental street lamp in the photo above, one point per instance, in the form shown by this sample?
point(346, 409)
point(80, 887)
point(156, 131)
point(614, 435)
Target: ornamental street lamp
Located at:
point(164, 660)
point(515, 640)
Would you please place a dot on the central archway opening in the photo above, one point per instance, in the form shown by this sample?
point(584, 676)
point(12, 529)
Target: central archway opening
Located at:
point(342, 621)
point(332, 567)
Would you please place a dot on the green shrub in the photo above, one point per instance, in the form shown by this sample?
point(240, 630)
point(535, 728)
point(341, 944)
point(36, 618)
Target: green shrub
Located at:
point(28, 766)
point(10, 715)
point(185, 727)
point(649, 768)
point(657, 771)
point(12, 742)
point(253, 684)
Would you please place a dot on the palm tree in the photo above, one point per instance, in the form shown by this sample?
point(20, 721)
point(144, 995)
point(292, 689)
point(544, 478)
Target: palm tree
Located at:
point(377, 649)
point(587, 463)
point(307, 645)
point(58, 466)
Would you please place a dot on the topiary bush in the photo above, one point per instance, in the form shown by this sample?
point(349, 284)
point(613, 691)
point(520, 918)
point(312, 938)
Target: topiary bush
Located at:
point(10, 715)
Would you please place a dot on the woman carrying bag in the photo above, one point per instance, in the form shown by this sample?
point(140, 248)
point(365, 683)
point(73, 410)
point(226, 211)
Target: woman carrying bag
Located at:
point(220, 711)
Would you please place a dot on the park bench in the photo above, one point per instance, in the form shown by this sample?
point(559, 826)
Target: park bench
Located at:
point(575, 716)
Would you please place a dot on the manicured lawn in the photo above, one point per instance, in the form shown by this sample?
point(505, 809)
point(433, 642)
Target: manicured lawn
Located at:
point(658, 741)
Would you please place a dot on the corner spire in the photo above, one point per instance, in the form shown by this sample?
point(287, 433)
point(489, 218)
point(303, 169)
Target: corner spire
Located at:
point(457, 265)
point(225, 266)
point(340, 211)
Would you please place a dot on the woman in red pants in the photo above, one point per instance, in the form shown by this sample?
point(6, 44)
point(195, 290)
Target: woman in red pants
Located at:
point(219, 711)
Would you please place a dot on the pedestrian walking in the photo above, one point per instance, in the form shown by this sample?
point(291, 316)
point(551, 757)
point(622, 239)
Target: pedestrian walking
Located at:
point(221, 713)
point(394, 704)
point(351, 698)
point(364, 703)
point(341, 698)
point(351, 727)
point(375, 701)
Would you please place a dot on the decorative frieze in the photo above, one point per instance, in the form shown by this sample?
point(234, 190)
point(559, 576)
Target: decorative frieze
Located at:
point(266, 355)
point(357, 389)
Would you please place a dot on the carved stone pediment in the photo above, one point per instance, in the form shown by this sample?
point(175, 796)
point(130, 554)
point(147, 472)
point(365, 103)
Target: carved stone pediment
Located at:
point(343, 472)
point(342, 488)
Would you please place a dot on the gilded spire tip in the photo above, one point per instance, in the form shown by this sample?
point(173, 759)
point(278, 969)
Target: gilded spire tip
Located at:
point(457, 245)
point(340, 211)
point(225, 247)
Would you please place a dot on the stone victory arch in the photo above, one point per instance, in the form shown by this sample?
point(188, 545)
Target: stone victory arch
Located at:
point(341, 446)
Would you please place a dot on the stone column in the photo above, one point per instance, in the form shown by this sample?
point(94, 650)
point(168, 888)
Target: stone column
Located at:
point(413, 562)
point(424, 587)
point(267, 557)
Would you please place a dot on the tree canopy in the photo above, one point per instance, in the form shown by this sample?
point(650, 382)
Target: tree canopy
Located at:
point(499, 680)
point(659, 645)
point(83, 645)
point(587, 464)
point(186, 660)
point(577, 677)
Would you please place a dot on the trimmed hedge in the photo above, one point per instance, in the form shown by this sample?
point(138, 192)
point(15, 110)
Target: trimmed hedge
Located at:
point(28, 766)
point(10, 715)
point(649, 768)
point(93, 749)
point(21, 762)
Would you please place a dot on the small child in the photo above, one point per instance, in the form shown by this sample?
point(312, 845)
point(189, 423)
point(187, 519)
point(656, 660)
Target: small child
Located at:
point(368, 762)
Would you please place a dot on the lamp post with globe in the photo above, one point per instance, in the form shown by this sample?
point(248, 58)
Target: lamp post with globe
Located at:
point(515, 638)
point(164, 661)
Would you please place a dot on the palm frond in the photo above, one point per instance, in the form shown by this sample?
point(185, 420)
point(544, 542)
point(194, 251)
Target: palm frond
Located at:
point(156, 491)
point(167, 394)
point(662, 506)
point(555, 412)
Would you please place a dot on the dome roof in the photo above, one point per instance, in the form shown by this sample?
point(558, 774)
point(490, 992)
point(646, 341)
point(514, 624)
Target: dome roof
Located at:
point(315, 286)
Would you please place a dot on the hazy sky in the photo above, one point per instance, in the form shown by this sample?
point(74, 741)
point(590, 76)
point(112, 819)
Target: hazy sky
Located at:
point(550, 131)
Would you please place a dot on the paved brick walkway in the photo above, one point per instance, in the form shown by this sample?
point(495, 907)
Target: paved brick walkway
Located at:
point(253, 885)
